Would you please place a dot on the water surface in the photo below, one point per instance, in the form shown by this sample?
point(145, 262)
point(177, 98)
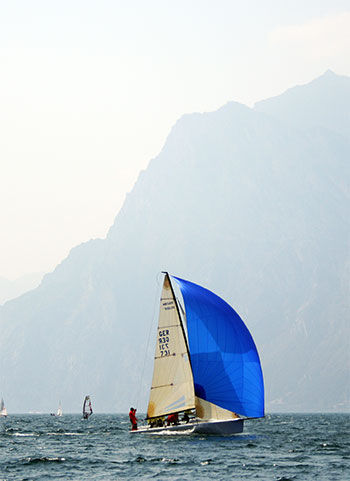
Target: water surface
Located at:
point(279, 447)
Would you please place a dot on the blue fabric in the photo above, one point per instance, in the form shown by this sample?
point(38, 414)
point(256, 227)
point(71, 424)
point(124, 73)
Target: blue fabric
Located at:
point(225, 362)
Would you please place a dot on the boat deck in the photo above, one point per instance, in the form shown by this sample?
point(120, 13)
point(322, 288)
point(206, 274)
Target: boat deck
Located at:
point(231, 426)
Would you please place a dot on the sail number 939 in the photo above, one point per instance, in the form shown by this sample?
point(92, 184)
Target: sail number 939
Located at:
point(163, 342)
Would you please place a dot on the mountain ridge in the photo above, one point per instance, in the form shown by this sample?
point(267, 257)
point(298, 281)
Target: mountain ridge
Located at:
point(326, 98)
point(247, 205)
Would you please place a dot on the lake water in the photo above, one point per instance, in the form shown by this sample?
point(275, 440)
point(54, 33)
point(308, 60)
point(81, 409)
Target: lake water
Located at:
point(279, 447)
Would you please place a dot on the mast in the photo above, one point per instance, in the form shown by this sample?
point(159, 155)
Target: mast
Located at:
point(180, 318)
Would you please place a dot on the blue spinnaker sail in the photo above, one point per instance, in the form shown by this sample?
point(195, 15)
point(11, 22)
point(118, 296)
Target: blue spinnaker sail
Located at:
point(225, 362)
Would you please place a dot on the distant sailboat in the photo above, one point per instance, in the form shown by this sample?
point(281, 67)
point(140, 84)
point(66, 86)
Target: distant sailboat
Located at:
point(59, 411)
point(211, 370)
point(3, 410)
point(87, 407)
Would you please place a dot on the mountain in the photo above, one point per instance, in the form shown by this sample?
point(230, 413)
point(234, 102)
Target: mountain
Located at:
point(12, 289)
point(324, 102)
point(251, 203)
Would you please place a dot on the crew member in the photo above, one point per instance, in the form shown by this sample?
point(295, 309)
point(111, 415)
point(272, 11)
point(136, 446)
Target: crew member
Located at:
point(133, 419)
point(173, 419)
point(186, 417)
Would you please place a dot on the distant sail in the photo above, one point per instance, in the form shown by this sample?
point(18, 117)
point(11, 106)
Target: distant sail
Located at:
point(87, 407)
point(3, 410)
point(59, 410)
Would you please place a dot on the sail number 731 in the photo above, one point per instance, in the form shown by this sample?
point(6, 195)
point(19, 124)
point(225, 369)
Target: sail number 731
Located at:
point(163, 342)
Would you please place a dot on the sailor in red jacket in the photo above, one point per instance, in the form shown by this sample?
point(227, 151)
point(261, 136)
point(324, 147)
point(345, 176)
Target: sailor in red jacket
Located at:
point(173, 419)
point(133, 419)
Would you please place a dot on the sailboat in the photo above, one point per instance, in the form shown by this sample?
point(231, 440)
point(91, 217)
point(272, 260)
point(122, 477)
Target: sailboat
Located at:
point(3, 410)
point(87, 407)
point(59, 411)
point(206, 365)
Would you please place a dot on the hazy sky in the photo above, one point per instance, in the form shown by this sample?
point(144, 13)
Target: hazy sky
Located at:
point(89, 91)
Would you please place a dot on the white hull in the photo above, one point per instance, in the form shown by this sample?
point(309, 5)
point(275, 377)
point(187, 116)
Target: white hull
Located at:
point(231, 426)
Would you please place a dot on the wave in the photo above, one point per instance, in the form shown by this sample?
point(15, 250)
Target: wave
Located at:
point(25, 435)
point(44, 459)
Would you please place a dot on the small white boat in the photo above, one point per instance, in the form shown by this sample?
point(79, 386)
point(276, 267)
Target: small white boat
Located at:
point(59, 411)
point(3, 410)
point(206, 364)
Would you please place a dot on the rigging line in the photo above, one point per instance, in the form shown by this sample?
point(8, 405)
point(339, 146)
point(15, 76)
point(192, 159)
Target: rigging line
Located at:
point(181, 308)
point(155, 303)
point(183, 317)
point(180, 319)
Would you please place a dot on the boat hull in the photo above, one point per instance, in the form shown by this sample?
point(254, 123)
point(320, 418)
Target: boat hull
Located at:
point(231, 426)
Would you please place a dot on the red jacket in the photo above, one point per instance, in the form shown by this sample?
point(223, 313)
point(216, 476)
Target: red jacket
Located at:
point(132, 417)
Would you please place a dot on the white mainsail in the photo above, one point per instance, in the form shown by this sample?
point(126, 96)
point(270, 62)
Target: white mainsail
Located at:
point(3, 410)
point(59, 410)
point(172, 384)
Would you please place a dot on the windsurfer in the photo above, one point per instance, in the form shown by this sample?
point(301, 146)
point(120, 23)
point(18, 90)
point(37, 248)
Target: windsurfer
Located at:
point(133, 419)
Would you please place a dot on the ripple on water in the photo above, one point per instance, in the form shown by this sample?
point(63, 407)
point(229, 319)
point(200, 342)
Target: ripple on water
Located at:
point(43, 460)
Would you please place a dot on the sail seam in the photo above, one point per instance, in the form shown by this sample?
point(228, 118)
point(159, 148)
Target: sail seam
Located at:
point(163, 385)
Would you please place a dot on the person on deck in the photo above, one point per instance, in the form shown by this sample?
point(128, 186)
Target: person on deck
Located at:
point(186, 417)
point(133, 419)
point(173, 419)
